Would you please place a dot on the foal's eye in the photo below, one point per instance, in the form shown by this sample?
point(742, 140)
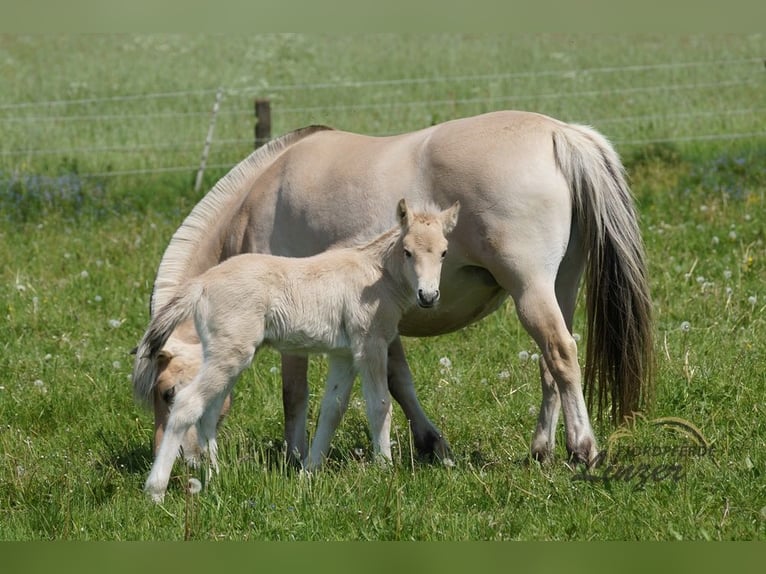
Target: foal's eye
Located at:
point(444, 254)
point(407, 253)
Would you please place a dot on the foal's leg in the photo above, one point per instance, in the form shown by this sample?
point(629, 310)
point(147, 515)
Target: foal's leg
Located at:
point(340, 379)
point(428, 439)
point(372, 370)
point(189, 406)
point(295, 401)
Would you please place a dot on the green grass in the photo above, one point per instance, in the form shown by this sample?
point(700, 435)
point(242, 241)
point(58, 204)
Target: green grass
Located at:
point(77, 269)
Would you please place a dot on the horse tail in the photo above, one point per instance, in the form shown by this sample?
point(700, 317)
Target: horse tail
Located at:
point(146, 366)
point(619, 352)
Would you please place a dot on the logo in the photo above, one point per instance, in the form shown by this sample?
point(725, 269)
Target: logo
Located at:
point(639, 466)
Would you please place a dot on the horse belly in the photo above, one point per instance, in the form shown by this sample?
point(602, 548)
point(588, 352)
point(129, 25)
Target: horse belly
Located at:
point(468, 294)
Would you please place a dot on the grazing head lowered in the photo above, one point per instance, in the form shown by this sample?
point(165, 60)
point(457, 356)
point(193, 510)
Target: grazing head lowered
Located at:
point(346, 303)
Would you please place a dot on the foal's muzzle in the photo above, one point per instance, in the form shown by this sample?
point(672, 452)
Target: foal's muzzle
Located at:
point(427, 300)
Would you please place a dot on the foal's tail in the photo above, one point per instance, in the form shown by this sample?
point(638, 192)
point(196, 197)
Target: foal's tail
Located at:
point(146, 368)
point(619, 352)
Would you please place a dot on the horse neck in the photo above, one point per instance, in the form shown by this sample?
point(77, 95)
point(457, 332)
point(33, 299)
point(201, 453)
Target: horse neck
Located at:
point(386, 252)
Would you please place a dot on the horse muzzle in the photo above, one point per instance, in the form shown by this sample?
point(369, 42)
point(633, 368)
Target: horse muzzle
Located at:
point(426, 300)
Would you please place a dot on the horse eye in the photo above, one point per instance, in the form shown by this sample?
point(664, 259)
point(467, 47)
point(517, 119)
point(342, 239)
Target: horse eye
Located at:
point(407, 253)
point(444, 254)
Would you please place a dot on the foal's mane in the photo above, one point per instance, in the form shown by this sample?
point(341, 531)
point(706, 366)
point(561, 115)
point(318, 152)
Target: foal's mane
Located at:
point(230, 188)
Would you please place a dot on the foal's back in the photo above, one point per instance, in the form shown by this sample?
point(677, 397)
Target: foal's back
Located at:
point(311, 304)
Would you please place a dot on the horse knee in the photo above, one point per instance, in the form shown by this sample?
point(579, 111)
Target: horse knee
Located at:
point(561, 359)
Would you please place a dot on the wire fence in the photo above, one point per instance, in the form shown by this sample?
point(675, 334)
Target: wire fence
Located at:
point(180, 131)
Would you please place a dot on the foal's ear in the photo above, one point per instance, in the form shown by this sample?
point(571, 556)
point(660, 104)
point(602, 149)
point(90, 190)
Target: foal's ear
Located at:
point(403, 213)
point(449, 217)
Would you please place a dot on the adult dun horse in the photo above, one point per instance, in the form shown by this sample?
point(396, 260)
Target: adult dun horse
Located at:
point(542, 203)
point(343, 302)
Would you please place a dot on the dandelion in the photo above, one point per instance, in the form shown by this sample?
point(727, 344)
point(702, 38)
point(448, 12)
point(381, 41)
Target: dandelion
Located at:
point(445, 362)
point(194, 486)
point(48, 357)
point(98, 298)
point(700, 279)
point(729, 291)
point(685, 326)
point(732, 234)
point(752, 300)
point(703, 208)
point(532, 410)
point(20, 288)
point(84, 274)
point(523, 356)
point(273, 370)
point(504, 375)
point(576, 337)
point(114, 323)
point(534, 357)
point(715, 240)
point(727, 274)
point(116, 364)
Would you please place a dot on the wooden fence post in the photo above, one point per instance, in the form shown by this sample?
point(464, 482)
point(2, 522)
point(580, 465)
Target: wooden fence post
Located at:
point(262, 121)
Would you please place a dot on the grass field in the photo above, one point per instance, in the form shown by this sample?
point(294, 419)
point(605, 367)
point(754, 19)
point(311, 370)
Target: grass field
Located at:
point(78, 255)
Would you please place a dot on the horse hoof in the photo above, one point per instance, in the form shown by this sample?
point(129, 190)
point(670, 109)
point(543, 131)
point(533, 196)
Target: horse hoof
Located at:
point(584, 453)
point(434, 447)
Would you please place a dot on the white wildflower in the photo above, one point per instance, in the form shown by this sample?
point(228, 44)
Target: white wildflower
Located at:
point(685, 326)
point(727, 274)
point(732, 234)
point(445, 362)
point(523, 356)
point(84, 274)
point(114, 323)
point(194, 486)
point(716, 241)
point(752, 299)
point(504, 375)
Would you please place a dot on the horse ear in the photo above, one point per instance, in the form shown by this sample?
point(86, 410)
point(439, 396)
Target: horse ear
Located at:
point(449, 217)
point(163, 359)
point(402, 213)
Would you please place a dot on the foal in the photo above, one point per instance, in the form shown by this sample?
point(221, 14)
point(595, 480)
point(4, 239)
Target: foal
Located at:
point(344, 302)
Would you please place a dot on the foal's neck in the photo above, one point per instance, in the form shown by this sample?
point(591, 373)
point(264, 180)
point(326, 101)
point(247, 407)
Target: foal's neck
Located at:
point(387, 252)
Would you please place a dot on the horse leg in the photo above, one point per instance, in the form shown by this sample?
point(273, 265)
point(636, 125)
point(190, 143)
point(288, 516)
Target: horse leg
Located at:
point(428, 439)
point(372, 369)
point(545, 434)
point(197, 406)
point(567, 281)
point(540, 314)
point(295, 401)
point(340, 379)
point(188, 407)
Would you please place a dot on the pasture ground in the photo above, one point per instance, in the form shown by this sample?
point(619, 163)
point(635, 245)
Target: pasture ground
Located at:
point(77, 272)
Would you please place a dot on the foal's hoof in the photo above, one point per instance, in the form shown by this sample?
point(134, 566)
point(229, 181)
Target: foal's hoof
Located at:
point(154, 496)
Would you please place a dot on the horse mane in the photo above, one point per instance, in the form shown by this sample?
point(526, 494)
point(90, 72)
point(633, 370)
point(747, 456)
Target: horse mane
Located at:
point(183, 246)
